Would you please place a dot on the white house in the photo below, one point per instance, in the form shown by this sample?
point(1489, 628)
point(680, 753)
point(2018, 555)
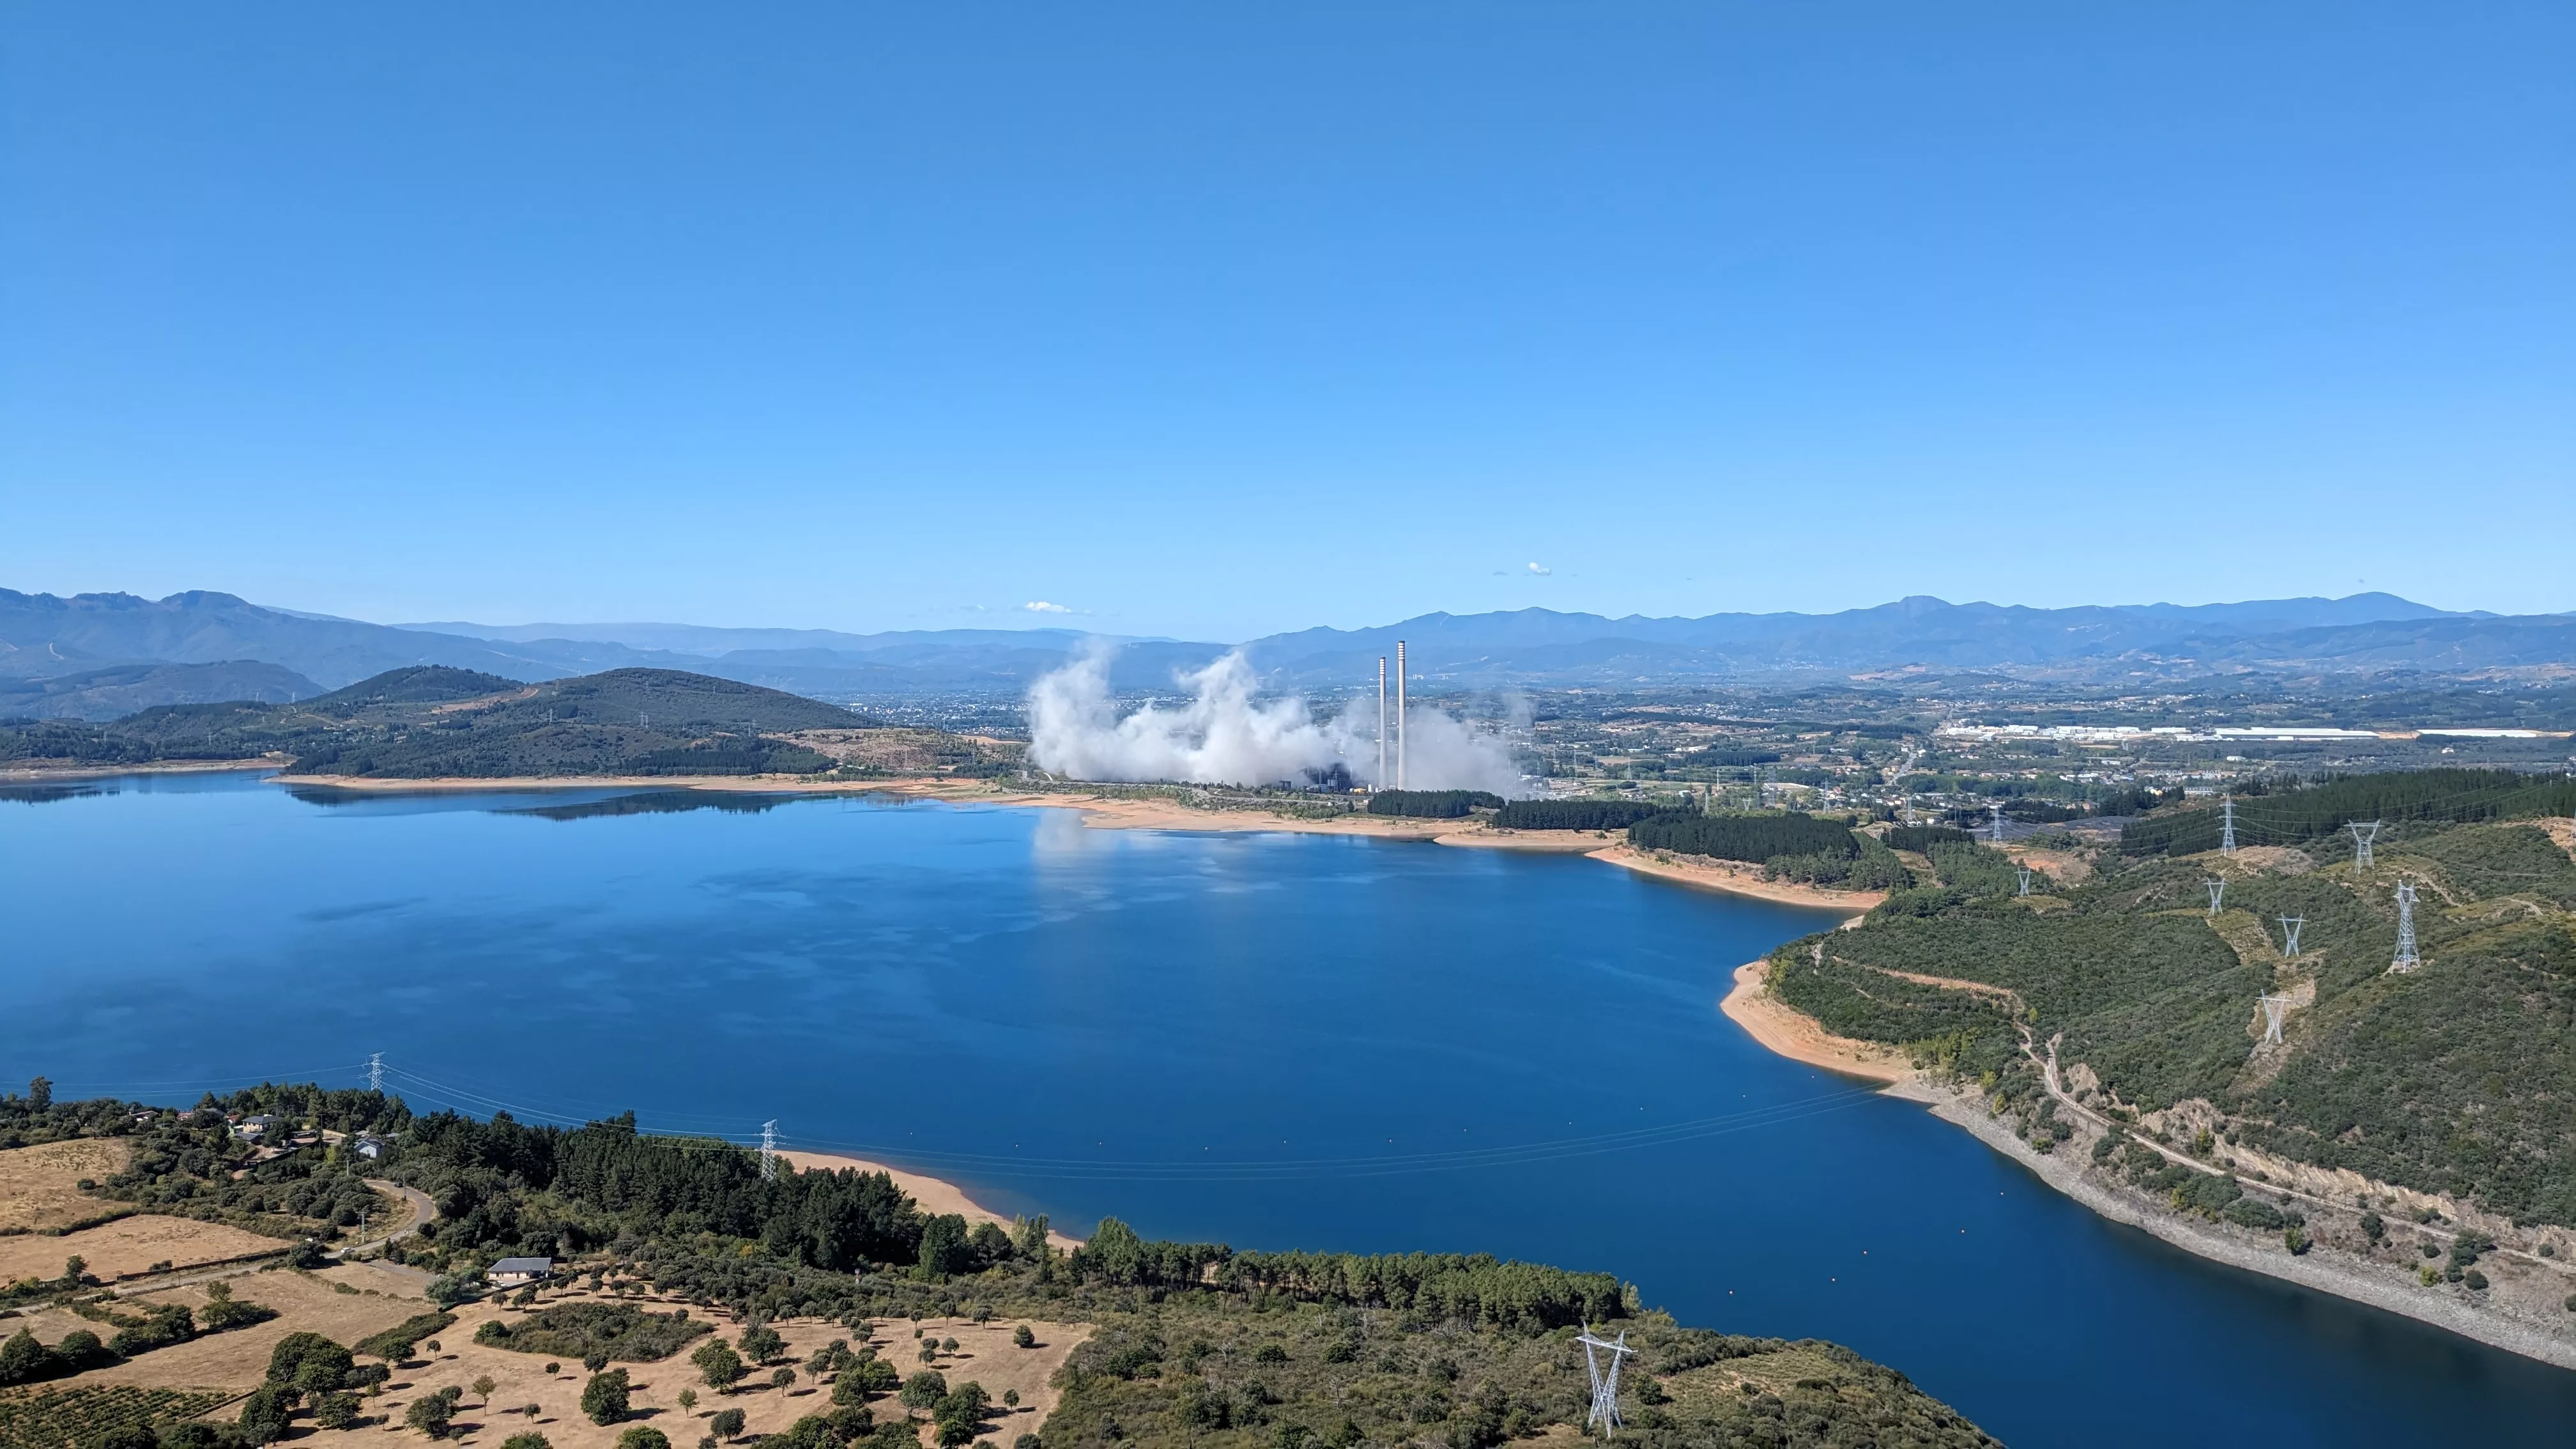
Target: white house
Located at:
point(511, 1272)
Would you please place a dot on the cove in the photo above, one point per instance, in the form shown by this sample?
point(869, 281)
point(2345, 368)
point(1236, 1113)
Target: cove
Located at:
point(1270, 1040)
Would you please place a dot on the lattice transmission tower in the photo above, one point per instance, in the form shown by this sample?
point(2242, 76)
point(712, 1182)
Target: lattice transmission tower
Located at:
point(2274, 1008)
point(2290, 934)
point(2025, 881)
point(1605, 1383)
point(2363, 832)
point(375, 1072)
point(1999, 822)
point(769, 1150)
point(2406, 960)
point(2227, 832)
point(2217, 887)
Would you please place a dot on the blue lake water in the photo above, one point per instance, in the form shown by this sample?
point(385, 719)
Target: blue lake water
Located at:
point(1270, 1040)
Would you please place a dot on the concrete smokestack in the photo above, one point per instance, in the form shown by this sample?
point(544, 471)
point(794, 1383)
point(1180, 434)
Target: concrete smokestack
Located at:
point(1399, 713)
point(1379, 781)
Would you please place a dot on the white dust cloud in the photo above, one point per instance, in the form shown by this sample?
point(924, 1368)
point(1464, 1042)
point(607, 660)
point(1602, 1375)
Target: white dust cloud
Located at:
point(1223, 736)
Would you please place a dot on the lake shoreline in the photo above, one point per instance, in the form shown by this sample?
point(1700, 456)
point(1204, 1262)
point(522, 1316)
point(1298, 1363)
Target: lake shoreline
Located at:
point(1783, 1030)
point(1122, 812)
point(933, 1195)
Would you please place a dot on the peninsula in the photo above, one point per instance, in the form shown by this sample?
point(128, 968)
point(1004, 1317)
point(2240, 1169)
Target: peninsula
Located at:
point(2341, 1066)
point(331, 1265)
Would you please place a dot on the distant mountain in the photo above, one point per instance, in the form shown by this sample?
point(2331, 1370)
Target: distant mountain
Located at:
point(43, 637)
point(832, 665)
point(121, 689)
point(703, 639)
point(1535, 645)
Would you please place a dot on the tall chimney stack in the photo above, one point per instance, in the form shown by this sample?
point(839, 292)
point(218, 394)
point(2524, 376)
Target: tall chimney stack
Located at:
point(1400, 672)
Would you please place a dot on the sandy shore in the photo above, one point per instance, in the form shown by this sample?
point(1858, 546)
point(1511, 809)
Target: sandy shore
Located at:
point(1783, 1030)
point(1788, 1033)
point(1743, 880)
point(2321, 1269)
point(157, 767)
point(729, 784)
point(1548, 842)
point(934, 1195)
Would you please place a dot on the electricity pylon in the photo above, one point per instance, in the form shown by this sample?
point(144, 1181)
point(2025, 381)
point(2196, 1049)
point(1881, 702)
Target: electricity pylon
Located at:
point(2025, 881)
point(2217, 890)
point(2407, 960)
point(2290, 934)
point(2227, 835)
point(1605, 1386)
point(769, 1150)
point(2274, 1008)
point(2363, 832)
point(1999, 823)
point(376, 1072)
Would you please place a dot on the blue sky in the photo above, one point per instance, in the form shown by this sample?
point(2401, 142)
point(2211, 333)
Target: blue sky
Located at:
point(1218, 320)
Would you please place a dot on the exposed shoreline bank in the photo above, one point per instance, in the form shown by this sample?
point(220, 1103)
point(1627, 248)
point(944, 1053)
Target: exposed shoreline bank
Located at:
point(1124, 812)
point(931, 1194)
point(24, 776)
point(1746, 880)
point(1785, 1031)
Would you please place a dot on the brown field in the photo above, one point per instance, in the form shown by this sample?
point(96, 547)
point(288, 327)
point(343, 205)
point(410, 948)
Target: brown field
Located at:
point(984, 1355)
point(130, 1245)
point(238, 1359)
point(36, 1184)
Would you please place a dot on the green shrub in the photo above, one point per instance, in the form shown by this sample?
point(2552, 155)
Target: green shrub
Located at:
point(1432, 804)
point(604, 1398)
point(1573, 814)
point(398, 1341)
point(611, 1332)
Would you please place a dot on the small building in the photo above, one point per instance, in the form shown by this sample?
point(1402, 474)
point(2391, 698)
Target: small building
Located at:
point(252, 1129)
point(511, 1272)
point(369, 1146)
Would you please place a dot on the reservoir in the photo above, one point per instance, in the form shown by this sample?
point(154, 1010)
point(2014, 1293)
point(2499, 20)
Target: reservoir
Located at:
point(1269, 1040)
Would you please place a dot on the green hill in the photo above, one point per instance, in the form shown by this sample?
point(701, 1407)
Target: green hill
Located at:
point(2458, 1078)
point(431, 721)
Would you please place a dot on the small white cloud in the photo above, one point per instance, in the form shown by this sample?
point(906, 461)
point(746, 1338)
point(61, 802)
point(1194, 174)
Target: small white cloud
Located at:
point(1041, 606)
point(1540, 569)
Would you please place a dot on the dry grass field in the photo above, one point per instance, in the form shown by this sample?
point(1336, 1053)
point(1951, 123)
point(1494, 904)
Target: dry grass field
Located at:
point(305, 1302)
point(984, 1355)
point(130, 1245)
point(38, 1192)
point(351, 1302)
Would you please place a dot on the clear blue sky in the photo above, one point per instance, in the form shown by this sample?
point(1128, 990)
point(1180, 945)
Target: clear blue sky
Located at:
point(1214, 320)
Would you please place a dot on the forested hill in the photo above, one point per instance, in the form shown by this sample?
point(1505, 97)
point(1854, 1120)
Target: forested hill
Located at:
point(2455, 1078)
point(1193, 1344)
point(430, 721)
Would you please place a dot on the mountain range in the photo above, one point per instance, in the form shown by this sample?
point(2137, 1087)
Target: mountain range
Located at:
point(98, 656)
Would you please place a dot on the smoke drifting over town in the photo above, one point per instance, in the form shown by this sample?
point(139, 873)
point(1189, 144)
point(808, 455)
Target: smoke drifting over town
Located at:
point(1223, 736)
